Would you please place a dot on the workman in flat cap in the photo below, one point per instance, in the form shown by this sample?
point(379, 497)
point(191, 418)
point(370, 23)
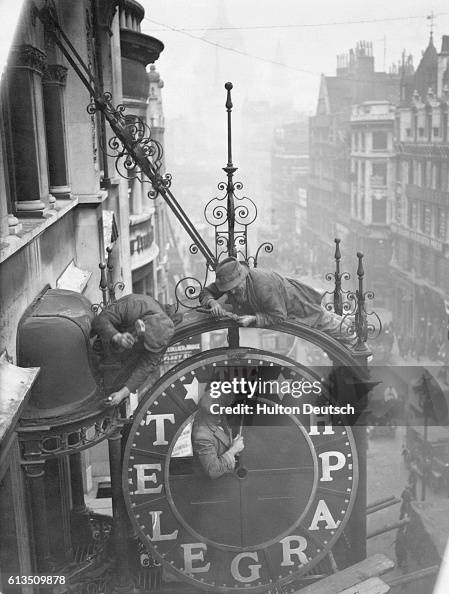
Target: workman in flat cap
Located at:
point(135, 332)
point(262, 298)
point(214, 447)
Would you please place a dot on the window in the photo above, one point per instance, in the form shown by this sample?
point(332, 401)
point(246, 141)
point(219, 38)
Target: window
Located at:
point(379, 173)
point(441, 224)
point(410, 172)
point(380, 141)
point(379, 206)
point(412, 214)
point(421, 131)
point(398, 208)
point(436, 131)
point(362, 142)
point(408, 132)
point(423, 170)
point(426, 220)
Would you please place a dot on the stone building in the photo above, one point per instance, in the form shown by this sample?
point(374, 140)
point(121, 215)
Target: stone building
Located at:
point(372, 181)
point(330, 178)
point(420, 262)
point(62, 204)
point(142, 98)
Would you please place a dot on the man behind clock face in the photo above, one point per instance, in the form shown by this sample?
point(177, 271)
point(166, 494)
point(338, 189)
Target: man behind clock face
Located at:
point(213, 445)
point(263, 298)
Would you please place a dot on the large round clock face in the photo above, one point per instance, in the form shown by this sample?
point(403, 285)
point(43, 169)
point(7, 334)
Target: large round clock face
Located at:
point(272, 518)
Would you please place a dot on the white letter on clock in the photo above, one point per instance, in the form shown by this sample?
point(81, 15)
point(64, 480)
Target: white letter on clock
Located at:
point(254, 569)
point(142, 479)
point(160, 426)
point(190, 557)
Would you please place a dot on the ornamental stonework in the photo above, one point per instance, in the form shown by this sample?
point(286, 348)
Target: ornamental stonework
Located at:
point(28, 56)
point(55, 73)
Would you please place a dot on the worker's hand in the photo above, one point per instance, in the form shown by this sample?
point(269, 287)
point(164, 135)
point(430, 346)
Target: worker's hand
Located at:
point(246, 320)
point(123, 340)
point(116, 397)
point(237, 445)
point(216, 309)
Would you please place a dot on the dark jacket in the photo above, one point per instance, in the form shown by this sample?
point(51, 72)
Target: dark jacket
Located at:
point(273, 298)
point(144, 358)
point(211, 444)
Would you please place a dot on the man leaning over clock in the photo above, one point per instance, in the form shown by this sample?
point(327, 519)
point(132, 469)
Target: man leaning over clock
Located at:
point(134, 333)
point(262, 298)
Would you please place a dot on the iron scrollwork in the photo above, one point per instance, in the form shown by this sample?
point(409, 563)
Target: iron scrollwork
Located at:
point(358, 315)
point(339, 303)
point(134, 140)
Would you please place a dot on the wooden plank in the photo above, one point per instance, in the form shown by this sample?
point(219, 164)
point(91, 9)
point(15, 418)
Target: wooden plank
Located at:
point(360, 572)
point(372, 586)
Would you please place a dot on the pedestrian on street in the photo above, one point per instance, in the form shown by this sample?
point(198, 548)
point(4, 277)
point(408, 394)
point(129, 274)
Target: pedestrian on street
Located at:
point(134, 332)
point(263, 298)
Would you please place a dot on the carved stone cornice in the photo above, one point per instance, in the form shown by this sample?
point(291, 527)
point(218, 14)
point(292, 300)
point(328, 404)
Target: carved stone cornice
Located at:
point(55, 74)
point(106, 10)
point(28, 56)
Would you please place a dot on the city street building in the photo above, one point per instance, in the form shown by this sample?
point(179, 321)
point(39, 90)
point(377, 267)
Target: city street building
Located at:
point(420, 264)
point(372, 180)
point(289, 175)
point(63, 210)
point(330, 179)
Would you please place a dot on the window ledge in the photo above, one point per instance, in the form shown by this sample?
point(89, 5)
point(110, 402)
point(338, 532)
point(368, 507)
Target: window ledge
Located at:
point(136, 219)
point(32, 227)
point(92, 198)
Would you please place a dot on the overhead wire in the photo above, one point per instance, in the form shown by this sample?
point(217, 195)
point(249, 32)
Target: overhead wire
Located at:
point(298, 26)
point(253, 56)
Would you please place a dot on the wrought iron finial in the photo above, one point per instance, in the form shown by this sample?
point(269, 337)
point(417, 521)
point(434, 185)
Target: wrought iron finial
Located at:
point(358, 316)
point(338, 305)
point(228, 87)
point(107, 285)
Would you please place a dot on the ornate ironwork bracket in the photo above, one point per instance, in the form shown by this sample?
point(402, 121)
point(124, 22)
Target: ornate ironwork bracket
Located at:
point(358, 315)
point(230, 216)
point(136, 153)
point(339, 303)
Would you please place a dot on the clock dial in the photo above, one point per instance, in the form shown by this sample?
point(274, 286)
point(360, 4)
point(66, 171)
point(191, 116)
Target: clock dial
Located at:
point(277, 514)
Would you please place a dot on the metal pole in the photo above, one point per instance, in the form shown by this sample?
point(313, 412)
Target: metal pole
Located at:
point(123, 582)
point(230, 170)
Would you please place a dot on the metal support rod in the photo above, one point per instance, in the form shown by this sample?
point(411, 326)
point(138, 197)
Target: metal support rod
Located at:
point(230, 170)
point(388, 527)
point(376, 508)
point(380, 501)
point(338, 298)
point(361, 326)
point(413, 576)
point(132, 147)
point(123, 582)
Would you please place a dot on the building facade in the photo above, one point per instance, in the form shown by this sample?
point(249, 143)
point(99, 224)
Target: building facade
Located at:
point(421, 253)
point(331, 180)
point(372, 180)
point(62, 205)
point(142, 98)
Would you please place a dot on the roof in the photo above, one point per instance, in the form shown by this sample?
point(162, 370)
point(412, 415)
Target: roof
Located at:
point(342, 92)
point(427, 72)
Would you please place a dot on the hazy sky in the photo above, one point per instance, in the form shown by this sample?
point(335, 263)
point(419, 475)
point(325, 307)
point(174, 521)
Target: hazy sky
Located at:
point(187, 65)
